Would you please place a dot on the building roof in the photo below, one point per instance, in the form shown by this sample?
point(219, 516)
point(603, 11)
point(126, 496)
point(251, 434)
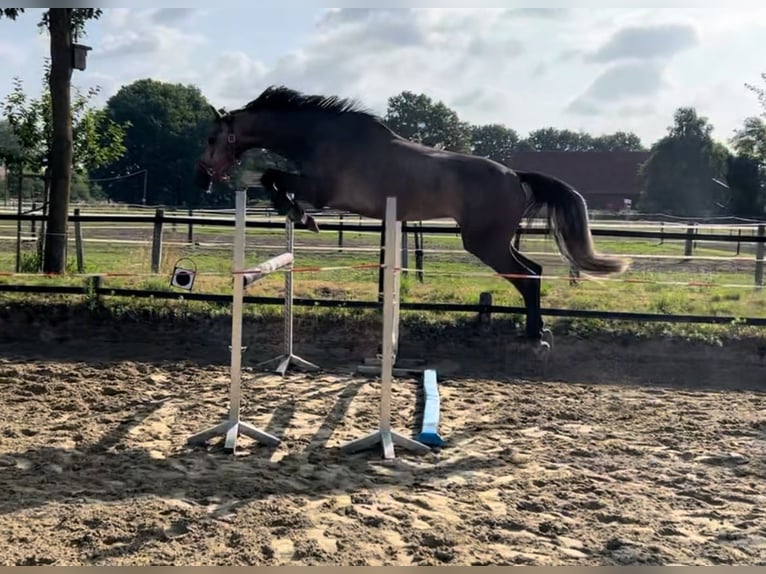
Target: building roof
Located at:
point(592, 173)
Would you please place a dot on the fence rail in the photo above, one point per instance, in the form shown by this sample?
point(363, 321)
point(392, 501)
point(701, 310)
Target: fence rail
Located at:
point(160, 218)
point(93, 288)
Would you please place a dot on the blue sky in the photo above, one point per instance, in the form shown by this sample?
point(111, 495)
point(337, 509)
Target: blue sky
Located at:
point(595, 69)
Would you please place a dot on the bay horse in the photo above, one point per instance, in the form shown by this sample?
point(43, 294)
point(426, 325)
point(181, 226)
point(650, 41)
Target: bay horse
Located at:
point(348, 159)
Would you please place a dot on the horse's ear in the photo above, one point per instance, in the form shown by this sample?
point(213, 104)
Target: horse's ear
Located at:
point(216, 113)
point(225, 116)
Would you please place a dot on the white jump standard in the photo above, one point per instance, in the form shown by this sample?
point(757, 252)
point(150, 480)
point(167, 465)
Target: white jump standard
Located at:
point(233, 426)
point(288, 356)
point(391, 270)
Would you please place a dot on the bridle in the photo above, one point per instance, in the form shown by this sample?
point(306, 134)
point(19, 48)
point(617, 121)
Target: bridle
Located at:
point(231, 141)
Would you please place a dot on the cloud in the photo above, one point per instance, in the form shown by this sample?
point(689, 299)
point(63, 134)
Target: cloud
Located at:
point(369, 28)
point(620, 82)
point(660, 41)
point(489, 101)
point(172, 15)
point(235, 73)
point(526, 67)
point(544, 13)
point(374, 54)
point(338, 16)
point(147, 39)
point(134, 45)
point(585, 107)
point(627, 80)
point(636, 58)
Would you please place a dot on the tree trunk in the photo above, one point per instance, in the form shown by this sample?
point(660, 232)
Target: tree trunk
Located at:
point(61, 148)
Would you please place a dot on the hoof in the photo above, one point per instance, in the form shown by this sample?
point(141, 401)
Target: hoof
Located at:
point(311, 224)
point(542, 350)
point(548, 337)
point(542, 353)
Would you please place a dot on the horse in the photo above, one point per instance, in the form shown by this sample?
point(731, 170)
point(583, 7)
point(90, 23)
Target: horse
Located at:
point(347, 158)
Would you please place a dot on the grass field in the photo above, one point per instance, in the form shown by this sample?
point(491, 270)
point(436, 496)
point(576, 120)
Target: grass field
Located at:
point(660, 280)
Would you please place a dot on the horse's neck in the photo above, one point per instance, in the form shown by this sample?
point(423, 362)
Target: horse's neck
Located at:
point(293, 141)
point(298, 138)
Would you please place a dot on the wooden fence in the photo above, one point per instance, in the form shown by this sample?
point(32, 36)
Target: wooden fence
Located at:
point(691, 236)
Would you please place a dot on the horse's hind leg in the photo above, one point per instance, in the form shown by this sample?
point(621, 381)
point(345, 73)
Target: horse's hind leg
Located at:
point(493, 247)
point(537, 271)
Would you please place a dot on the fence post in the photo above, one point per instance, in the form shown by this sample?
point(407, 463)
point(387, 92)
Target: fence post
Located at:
point(405, 252)
point(688, 248)
point(340, 233)
point(739, 243)
point(190, 231)
point(95, 283)
point(157, 240)
point(18, 221)
point(759, 249)
point(485, 314)
point(78, 241)
point(32, 222)
point(419, 253)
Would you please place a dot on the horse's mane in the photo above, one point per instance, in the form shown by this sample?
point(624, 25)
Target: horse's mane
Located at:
point(283, 99)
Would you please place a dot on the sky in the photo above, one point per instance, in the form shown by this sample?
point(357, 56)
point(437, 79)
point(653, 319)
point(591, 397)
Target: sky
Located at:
point(594, 69)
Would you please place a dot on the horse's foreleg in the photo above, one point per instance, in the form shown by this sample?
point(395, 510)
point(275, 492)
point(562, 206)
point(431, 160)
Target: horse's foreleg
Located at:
point(280, 184)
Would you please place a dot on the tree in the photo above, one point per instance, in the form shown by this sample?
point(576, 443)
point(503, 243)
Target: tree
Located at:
point(553, 139)
point(494, 141)
point(418, 118)
point(618, 141)
point(10, 153)
point(168, 126)
point(28, 122)
point(760, 93)
point(9, 144)
point(680, 175)
point(746, 174)
point(96, 140)
point(745, 177)
point(750, 140)
point(62, 24)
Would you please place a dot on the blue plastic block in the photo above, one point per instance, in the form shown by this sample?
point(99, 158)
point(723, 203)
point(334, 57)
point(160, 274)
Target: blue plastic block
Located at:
point(429, 434)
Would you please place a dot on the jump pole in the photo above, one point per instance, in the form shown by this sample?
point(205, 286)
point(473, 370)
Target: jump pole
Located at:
point(233, 426)
point(284, 360)
point(384, 436)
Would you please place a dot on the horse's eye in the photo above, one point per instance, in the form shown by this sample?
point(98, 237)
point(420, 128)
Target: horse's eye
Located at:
point(211, 140)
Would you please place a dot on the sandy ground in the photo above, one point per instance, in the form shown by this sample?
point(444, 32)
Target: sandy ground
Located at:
point(640, 454)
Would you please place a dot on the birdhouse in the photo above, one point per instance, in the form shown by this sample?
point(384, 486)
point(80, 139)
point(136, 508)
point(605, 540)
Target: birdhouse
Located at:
point(79, 56)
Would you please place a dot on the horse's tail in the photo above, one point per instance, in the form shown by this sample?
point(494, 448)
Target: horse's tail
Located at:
point(568, 220)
